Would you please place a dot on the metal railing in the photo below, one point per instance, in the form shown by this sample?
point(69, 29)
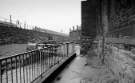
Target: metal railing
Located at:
point(29, 66)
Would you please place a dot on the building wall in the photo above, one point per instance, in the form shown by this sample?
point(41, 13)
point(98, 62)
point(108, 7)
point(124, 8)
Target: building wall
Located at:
point(89, 17)
point(121, 18)
point(75, 35)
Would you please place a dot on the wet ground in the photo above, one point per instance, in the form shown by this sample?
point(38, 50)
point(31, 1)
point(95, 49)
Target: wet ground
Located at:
point(84, 69)
point(76, 72)
point(118, 68)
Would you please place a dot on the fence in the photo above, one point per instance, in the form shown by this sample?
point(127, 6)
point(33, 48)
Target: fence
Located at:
point(29, 66)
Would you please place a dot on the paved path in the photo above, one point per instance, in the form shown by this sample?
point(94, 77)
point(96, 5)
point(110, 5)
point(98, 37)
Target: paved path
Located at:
point(76, 72)
point(85, 70)
point(88, 69)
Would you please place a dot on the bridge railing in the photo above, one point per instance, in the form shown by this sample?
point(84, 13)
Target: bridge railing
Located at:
point(29, 66)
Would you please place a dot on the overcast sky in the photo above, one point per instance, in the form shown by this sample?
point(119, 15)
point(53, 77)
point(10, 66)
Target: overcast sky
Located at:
point(58, 15)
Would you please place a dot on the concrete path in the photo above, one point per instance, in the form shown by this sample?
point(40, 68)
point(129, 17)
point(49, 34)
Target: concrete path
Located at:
point(88, 69)
point(77, 72)
point(85, 70)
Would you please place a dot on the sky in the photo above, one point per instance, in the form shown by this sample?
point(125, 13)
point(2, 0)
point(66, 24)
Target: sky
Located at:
point(57, 15)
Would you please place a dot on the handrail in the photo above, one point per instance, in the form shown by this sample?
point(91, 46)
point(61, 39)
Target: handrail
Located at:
point(27, 52)
point(28, 66)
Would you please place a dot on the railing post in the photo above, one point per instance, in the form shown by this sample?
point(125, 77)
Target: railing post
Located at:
point(23, 68)
point(40, 62)
point(49, 56)
point(27, 68)
point(0, 71)
point(67, 45)
point(16, 69)
point(20, 69)
point(11, 70)
point(6, 71)
point(32, 63)
point(55, 55)
point(72, 48)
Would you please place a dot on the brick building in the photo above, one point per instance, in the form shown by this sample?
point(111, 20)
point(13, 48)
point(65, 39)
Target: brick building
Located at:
point(89, 17)
point(121, 18)
point(90, 23)
point(75, 34)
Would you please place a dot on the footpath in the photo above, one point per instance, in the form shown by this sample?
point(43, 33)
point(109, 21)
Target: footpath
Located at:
point(119, 67)
point(83, 71)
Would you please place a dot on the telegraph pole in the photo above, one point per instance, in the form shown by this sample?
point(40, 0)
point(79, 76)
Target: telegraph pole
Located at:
point(10, 18)
point(104, 4)
point(25, 25)
point(17, 23)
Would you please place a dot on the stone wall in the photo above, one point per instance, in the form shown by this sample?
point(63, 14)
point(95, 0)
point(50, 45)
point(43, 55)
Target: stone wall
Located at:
point(121, 17)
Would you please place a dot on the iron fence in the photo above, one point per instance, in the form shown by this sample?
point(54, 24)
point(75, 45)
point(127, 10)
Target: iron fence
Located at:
point(27, 67)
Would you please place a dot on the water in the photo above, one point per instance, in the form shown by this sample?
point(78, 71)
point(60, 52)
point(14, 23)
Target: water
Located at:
point(12, 49)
